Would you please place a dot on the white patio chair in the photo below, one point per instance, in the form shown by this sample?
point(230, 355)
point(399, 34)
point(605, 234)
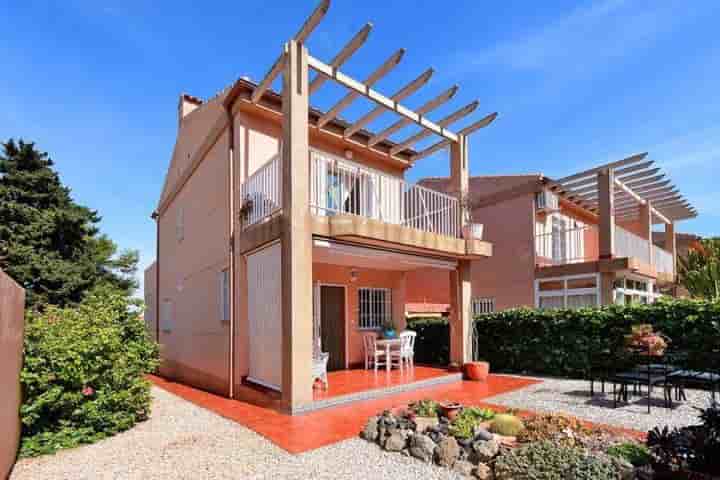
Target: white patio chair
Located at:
point(319, 369)
point(373, 356)
point(407, 347)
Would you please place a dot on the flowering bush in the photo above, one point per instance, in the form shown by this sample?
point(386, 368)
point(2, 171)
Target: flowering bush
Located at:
point(83, 377)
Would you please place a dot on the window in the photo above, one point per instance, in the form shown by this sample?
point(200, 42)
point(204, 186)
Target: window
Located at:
point(576, 291)
point(224, 298)
point(375, 307)
point(483, 305)
point(630, 291)
point(180, 224)
point(166, 316)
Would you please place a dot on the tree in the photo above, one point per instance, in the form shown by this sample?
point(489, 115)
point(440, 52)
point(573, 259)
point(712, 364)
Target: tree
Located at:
point(699, 272)
point(48, 243)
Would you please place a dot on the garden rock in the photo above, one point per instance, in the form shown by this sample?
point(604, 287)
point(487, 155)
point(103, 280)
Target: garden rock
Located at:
point(486, 450)
point(424, 423)
point(370, 431)
point(463, 467)
point(483, 472)
point(395, 442)
point(447, 452)
point(482, 434)
point(422, 447)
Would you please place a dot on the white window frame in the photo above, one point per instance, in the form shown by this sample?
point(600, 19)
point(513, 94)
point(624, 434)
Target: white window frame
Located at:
point(565, 292)
point(379, 309)
point(650, 294)
point(224, 295)
point(482, 305)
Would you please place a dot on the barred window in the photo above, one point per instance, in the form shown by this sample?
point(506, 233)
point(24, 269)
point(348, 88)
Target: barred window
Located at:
point(483, 305)
point(375, 307)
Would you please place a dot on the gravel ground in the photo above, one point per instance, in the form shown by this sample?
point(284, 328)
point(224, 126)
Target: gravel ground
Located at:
point(573, 397)
point(183, 441)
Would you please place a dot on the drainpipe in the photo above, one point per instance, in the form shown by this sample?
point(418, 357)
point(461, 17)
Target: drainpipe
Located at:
point(231, 246)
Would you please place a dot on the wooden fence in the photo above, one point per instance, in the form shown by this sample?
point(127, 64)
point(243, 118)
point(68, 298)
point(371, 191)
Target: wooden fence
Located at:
point(12, 306)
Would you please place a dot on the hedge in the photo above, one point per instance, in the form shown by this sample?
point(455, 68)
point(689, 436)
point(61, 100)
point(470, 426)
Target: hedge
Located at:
point(561, 342)
point(432, 344)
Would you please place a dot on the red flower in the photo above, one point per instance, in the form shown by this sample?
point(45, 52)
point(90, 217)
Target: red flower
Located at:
point(87, 391)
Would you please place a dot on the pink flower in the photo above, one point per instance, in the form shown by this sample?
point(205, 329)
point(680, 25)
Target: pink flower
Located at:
point(87, 391)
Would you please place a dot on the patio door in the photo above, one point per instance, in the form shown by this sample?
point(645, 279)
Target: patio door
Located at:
point(265, 317)
point(332, 325)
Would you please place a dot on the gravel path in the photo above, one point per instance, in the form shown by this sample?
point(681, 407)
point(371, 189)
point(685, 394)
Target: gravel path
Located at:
point(573, 397)
point(183, 441)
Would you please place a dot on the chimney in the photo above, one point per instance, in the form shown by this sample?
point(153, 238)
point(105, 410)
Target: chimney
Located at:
point(186, 105)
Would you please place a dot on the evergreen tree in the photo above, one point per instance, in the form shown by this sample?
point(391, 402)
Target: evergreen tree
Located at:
point(48, 243)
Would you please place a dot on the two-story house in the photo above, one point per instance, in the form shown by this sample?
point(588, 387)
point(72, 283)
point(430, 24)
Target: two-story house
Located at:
point(583, 240)
point(283, 230)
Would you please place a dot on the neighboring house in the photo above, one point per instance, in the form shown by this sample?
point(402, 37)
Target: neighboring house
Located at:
point(284, 230)
point(579, 241)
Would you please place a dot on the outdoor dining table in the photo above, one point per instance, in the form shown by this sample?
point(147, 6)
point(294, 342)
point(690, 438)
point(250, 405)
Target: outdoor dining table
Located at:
point(388, 344)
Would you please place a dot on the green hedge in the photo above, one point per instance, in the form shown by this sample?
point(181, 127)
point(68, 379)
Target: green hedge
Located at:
point(83, 376)
point(561, 342)
point(432, 344)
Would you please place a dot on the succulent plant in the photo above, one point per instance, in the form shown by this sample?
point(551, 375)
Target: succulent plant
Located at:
point(507, 425)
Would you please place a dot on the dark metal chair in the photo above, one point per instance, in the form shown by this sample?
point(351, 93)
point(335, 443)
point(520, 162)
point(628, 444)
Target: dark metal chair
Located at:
point(636, 368)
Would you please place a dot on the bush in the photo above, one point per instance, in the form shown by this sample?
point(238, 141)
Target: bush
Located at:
point(83, 377)
point(463, 426)
point(507, 425)
point(546, 460)
point(432, 344)
point(634, 453)
point(562, 342)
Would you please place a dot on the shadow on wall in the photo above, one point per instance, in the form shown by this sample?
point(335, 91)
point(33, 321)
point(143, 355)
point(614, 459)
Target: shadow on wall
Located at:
point(12, 308)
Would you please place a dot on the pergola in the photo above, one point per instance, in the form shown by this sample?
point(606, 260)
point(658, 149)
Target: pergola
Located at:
point(637, 183)
point(383, 103)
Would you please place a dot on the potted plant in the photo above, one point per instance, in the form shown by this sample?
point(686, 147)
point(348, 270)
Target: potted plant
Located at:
point(388, 330)
point(246, 207)
point(477, 371)
point(643, 337)
point(450, 410)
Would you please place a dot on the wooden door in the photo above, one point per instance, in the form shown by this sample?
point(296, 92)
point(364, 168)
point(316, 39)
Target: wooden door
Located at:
point(332, 325)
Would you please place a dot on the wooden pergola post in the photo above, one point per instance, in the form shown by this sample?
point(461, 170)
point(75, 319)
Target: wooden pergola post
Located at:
point(460, 278)
point(606, 203)
point(296, 238)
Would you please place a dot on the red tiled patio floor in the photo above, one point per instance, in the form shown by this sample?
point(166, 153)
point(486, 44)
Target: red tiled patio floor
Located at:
point(300, 433)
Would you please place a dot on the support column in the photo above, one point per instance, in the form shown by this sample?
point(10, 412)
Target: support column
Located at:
point(399, 298)
point(460, 284)
point(646, 226)
point(671, 244)
point(296, 236)
point(606, 202)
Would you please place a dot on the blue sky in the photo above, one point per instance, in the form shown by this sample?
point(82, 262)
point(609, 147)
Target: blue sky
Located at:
point(96, 83)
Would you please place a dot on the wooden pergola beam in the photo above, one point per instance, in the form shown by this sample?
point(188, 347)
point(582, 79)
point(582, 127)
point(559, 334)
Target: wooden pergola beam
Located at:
point(638, 176)
point(400, 95)
point(592, 180)
point(426, 108)
point(483, 122)
point(305, 30)
point(343, 55)
point(625, 161)
point(452, 118)
point(357, 89)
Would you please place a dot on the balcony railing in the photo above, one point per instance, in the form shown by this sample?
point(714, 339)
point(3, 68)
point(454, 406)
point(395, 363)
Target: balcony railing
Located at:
point(564, 246)
point(627, 244)
point(338, 187)
point(664, 261)
point(261, 194)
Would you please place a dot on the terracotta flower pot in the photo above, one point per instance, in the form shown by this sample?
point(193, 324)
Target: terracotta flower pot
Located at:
point(477, 371)
point(450, 410)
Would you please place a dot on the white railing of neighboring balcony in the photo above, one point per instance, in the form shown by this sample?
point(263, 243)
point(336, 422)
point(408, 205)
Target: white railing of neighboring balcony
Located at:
point(664, 261)
point(261, 193)
point(627, 244)
point(338, 187)
point(563, 246)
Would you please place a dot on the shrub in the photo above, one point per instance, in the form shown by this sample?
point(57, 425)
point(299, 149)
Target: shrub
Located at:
point(505, 424)
point(463, 426)
point(83, 378)
point(563, 342)
point(634, 453)
point(546, 460)
point(432, 344)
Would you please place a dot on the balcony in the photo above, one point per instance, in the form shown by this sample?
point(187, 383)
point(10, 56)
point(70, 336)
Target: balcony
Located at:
point(629, 245)
point(664, 261)
point(352, 200)
point(566, 246)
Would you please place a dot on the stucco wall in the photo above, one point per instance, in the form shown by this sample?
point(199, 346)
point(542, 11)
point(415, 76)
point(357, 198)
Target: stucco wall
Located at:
point(508, 276)
point(428, 285)
point(150, 293)
point(12, 305)
point(340, 275)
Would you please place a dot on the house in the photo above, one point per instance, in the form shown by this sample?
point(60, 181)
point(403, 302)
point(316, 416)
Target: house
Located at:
point(583, 240)
point(283, 230)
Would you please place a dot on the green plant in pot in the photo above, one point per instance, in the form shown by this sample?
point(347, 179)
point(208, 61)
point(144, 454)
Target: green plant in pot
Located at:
point(389, 330)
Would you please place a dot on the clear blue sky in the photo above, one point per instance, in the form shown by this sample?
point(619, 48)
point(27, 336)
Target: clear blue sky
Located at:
point(96, 84)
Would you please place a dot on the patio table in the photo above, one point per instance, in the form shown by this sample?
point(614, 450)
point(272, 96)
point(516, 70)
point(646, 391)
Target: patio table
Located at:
point(388, 344)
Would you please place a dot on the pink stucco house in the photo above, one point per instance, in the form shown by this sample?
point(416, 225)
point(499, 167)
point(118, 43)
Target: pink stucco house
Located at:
point(583, 240)
point(283, 230)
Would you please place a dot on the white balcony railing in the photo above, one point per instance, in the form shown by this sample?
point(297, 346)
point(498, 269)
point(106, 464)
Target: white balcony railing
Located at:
point(563, 246)
point(664, 261)
point(627, 244)
point(261, 194)
point(338, 186)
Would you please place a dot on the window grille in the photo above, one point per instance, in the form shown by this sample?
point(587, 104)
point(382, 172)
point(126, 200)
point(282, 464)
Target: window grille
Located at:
point(375, 307)
point(483, 305)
